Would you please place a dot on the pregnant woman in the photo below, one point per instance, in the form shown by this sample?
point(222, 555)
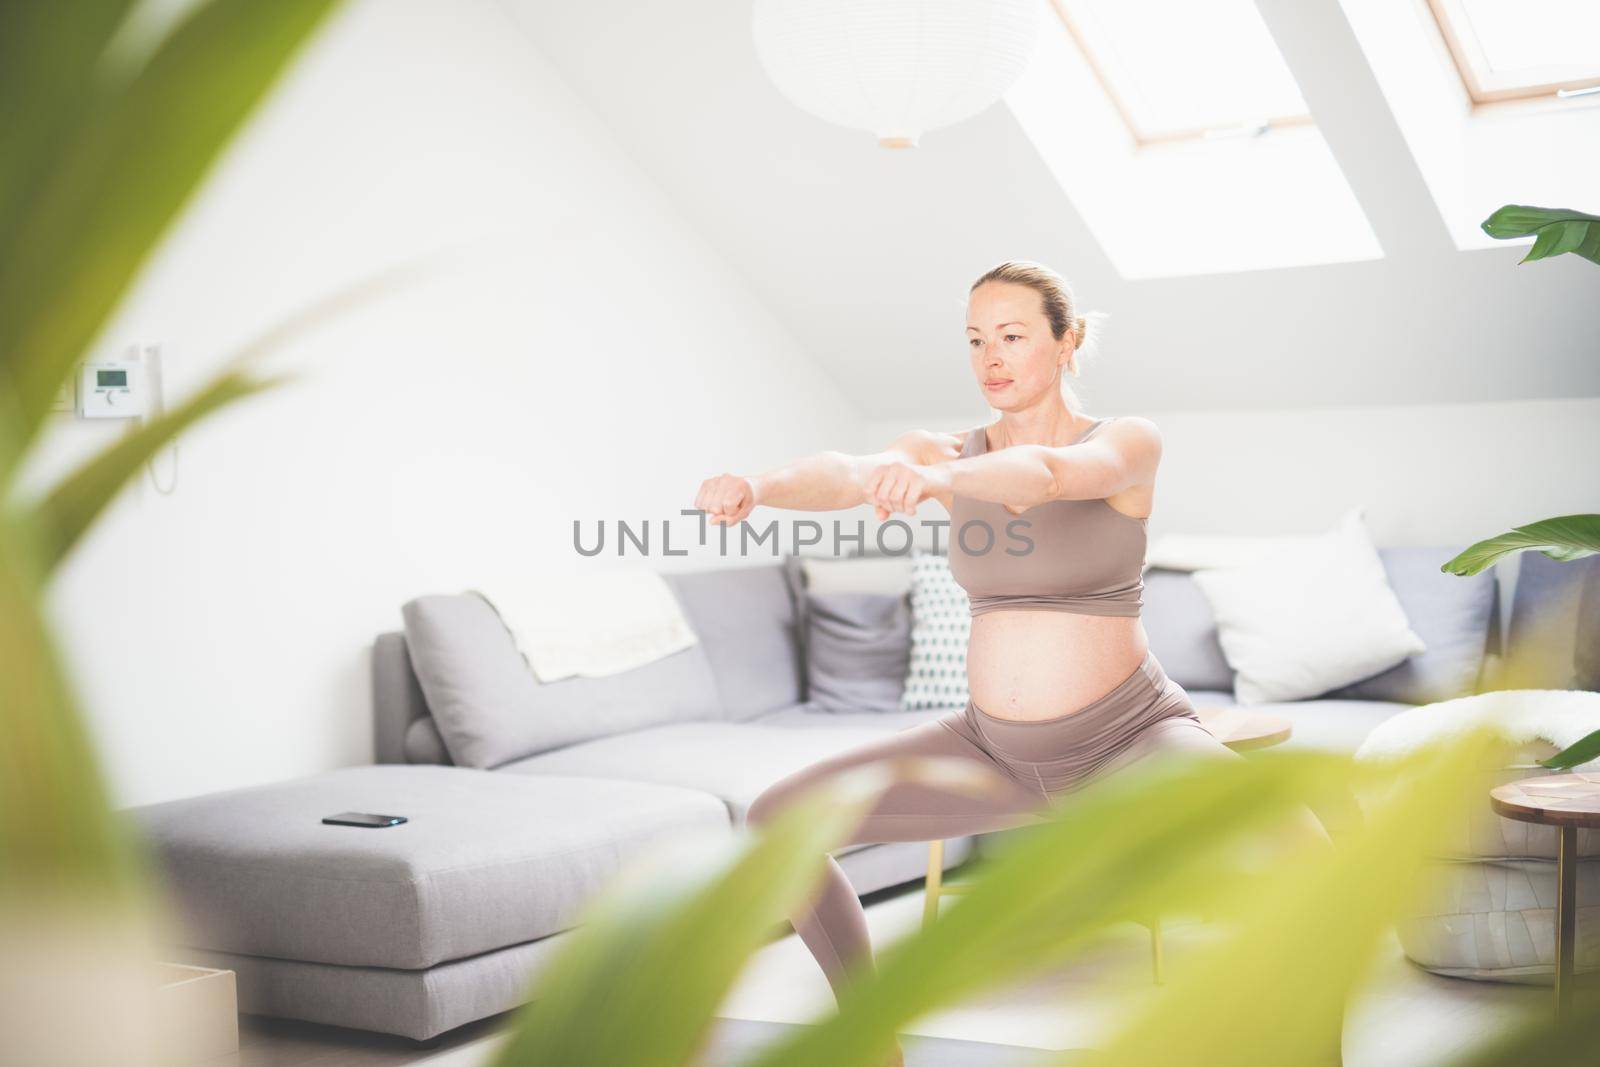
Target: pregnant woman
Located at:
point(1064, 688)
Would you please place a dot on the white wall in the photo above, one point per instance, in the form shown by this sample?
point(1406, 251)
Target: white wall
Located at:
point(581, 354)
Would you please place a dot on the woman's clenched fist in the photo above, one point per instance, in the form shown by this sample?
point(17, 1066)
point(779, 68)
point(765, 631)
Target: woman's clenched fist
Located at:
point(899, 487)
point(726, 499)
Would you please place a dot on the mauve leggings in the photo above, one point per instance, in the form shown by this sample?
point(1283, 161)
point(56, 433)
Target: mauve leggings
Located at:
point(1037, 762)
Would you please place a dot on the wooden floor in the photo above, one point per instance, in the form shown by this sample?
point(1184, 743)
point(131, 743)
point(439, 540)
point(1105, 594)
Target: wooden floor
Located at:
point(1406, 1016)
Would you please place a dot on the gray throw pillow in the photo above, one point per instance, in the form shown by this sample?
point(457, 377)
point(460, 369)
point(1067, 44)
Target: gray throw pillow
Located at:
point(858, 647)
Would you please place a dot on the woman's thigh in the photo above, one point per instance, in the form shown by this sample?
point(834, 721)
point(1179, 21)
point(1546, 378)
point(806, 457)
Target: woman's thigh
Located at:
point(919, 810)
point(1178, 734)
point(1185, 736)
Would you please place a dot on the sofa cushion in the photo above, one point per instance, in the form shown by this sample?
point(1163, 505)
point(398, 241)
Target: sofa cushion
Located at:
point(733, 761)
point(1453, 615)
point(748, 626)
point(487, 860)
point(490, 708)
point(1549, 610)
point(858, 646)
point(1183, 631)
point(806, 717)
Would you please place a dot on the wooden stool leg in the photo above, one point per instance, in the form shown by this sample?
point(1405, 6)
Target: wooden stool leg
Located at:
point(1566, 917)
point(1156, 963)
point(935, 879)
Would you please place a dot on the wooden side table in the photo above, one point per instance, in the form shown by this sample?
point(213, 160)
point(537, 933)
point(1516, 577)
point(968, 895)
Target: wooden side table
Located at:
point(1239, 729)
point(1568, 802)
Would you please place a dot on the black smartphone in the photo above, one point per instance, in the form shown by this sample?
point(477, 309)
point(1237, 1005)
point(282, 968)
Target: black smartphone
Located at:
point(361, 818)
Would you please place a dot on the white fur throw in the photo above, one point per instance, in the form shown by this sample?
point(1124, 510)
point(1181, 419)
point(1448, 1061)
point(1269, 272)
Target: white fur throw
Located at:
point(1560, 717)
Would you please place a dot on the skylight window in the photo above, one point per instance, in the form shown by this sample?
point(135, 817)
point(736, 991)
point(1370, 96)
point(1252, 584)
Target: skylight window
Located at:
point(1481, 149)
point(1212, 69)
point(1129, 103)
point(1508, 49)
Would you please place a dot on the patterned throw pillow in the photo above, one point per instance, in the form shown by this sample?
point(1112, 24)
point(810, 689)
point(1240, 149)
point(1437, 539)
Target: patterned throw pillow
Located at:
point(941, 619)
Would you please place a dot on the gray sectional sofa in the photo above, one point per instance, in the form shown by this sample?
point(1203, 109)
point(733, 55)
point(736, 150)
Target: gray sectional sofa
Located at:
point(524, 799)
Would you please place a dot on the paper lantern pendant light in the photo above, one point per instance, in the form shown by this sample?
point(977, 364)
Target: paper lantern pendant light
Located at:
point(894, 67)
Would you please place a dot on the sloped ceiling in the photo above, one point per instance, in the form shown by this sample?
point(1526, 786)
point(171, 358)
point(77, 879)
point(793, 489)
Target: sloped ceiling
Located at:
point(866, 253)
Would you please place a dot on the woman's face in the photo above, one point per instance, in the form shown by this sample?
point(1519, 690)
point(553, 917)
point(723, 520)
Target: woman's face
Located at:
point(1014, 356)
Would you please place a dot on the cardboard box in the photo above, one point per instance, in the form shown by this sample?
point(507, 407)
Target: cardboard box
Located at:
point(198, 1013)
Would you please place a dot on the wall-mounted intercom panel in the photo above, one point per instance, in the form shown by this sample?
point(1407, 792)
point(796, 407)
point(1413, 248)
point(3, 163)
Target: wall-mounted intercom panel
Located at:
point(112, 389)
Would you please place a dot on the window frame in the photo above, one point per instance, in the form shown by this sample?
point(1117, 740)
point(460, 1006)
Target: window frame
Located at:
point(1473, 66)
point(1144, 138)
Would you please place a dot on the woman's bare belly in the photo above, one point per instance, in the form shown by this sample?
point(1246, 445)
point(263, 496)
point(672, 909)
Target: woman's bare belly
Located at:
point(1029, 665)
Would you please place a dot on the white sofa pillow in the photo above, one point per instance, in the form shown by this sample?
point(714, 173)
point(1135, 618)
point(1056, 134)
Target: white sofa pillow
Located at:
point(1309, 618)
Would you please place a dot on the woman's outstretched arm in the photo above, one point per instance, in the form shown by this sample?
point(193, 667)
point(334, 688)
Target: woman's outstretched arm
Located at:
point(824, 481)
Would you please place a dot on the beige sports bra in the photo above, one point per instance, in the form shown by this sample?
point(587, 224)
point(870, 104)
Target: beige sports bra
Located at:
point(1081, 556)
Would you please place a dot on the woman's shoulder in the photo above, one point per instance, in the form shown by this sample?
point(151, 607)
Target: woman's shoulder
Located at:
point(1137, 438)
point(1124, 425)
point(934, 446)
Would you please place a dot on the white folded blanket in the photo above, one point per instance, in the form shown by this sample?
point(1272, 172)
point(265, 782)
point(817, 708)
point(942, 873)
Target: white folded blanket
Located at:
point(592, 622)
point(1560, 717)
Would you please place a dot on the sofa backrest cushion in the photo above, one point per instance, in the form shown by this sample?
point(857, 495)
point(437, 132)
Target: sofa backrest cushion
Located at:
point(1553, 636)
point(490, 708)
point(749, 632)
point(423, 744)
point(1183, 631)
point(397, 700)
point(1455, 616)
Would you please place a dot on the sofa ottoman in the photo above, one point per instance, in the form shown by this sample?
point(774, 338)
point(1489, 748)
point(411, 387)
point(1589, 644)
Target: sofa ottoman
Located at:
point(412, 929)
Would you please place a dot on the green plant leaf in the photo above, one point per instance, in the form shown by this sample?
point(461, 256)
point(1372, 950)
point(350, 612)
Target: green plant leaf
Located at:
point(128, 169)
point(58, 838)
point(1555, 230)
point(48, 59)
point(1536, 1039)
point(1565, 538)
point(1580, 751)
point(656, 953)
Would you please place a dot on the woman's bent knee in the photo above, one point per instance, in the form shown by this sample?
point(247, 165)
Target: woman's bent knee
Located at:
point(777, 796)
point(767, 804)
